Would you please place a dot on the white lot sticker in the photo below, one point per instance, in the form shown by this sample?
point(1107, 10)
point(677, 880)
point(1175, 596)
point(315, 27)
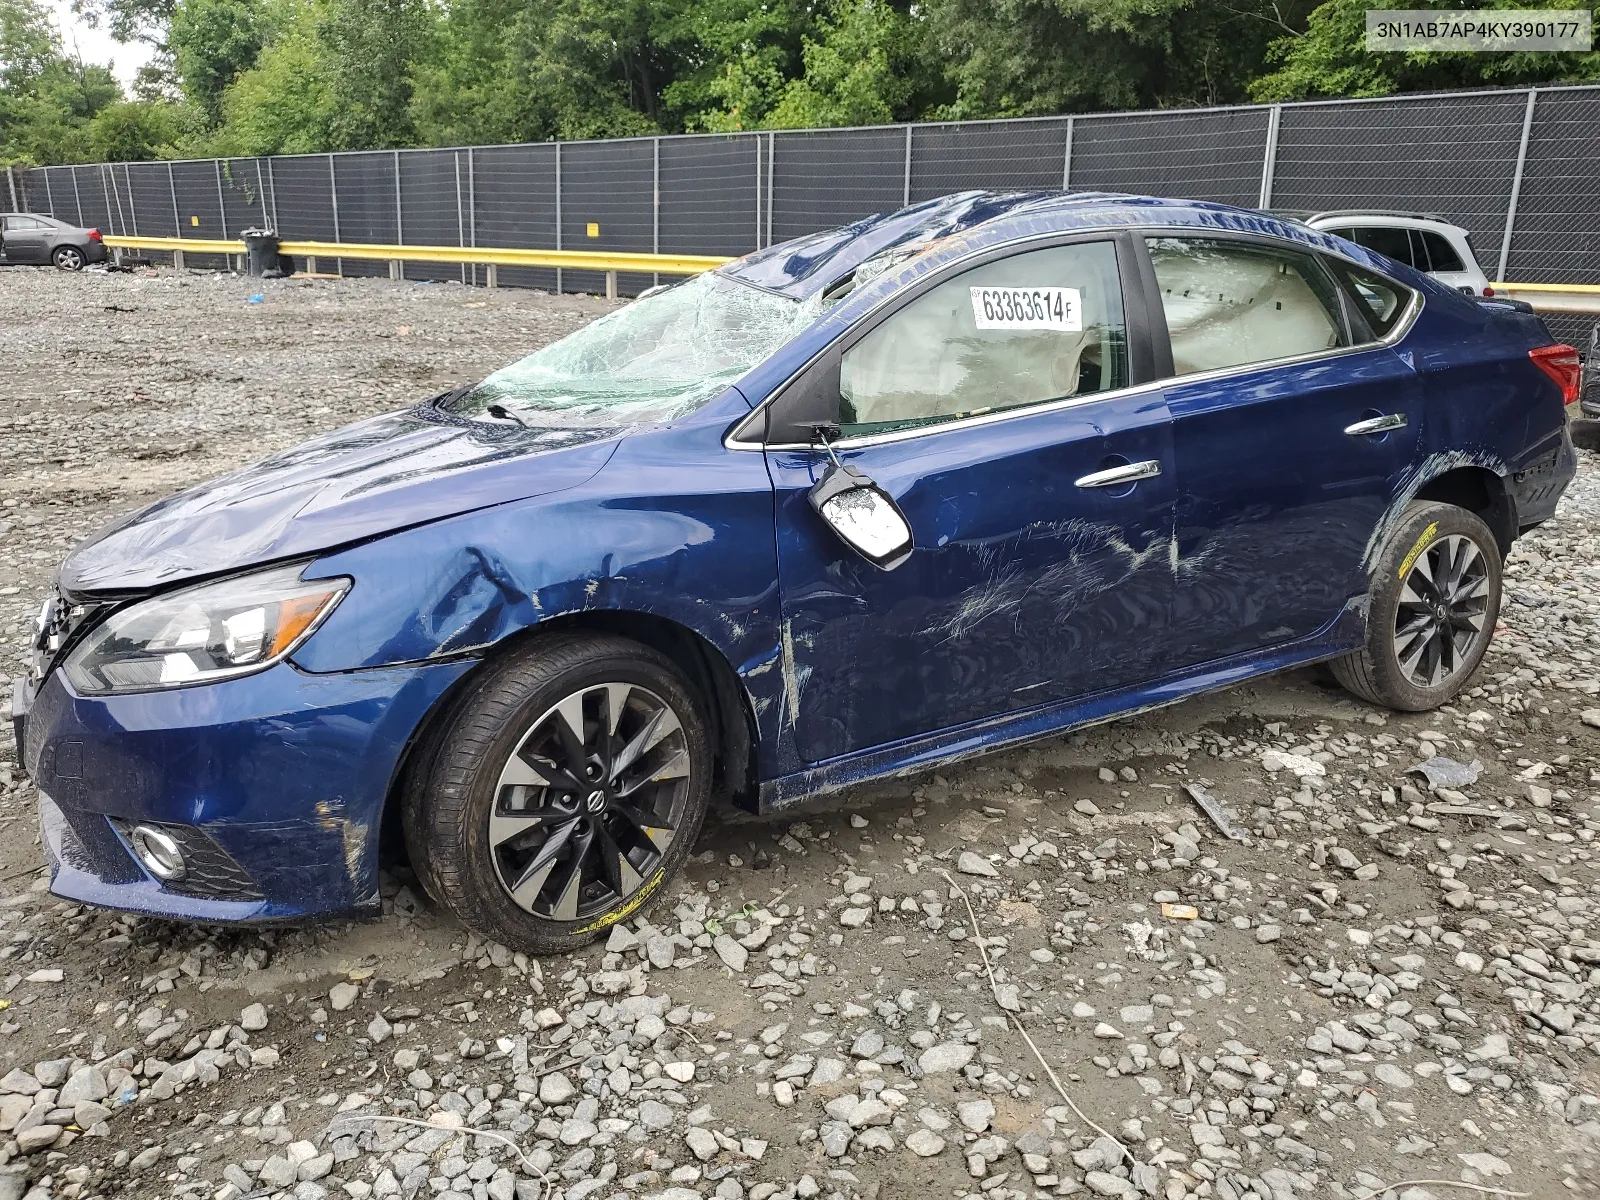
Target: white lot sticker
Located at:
point(1058, 308)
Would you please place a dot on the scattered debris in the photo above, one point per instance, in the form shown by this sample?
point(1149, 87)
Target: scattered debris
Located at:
point(1442, 772)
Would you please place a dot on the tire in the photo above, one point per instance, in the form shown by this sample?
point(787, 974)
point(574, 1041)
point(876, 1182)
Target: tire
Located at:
point(68, 258)
point(1406, 662)
point(493, 824)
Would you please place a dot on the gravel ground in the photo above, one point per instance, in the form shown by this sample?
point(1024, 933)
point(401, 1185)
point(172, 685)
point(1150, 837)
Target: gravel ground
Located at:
point(1383, 981)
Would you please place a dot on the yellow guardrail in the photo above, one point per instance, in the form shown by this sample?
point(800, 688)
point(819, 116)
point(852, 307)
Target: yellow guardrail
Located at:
point(609, 262)
point(1572, 298)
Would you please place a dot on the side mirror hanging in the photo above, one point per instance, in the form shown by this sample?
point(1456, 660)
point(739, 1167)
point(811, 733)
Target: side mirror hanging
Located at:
point(864, 516)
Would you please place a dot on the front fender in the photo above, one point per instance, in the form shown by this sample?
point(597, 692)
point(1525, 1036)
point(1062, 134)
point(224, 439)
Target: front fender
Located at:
point(675, 526)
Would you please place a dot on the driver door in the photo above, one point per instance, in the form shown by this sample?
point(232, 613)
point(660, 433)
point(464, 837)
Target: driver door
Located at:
point(996, 408)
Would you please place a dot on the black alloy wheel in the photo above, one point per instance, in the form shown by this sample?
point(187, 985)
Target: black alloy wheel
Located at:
point(589, 801)
point(560, 790)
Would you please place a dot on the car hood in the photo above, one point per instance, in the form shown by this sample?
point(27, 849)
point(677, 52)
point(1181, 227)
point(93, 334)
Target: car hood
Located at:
point(367, 479)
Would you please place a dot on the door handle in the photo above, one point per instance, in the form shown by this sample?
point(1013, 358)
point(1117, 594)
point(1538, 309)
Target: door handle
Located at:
point(1126, 473)
point(1377, 425)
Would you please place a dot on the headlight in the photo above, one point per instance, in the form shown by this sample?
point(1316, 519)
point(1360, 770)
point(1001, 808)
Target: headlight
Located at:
point(202, 634)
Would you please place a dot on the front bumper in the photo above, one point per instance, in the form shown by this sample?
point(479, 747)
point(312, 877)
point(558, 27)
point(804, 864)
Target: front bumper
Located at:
point(275, 784)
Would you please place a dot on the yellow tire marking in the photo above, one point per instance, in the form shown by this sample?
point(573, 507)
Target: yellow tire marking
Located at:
point(629, 908)
point(1423, 542)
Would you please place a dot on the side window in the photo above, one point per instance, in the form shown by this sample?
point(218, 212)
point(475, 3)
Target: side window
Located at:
point(1041, 325)
point(1441, 254)
point(1229, 304)
point(1388, 241)
point(1381, 300)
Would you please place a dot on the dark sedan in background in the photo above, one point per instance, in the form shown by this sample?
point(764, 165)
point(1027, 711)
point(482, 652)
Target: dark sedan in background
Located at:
point(38, 239)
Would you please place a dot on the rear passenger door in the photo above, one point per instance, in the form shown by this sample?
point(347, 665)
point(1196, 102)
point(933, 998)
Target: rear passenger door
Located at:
point(1293, 421)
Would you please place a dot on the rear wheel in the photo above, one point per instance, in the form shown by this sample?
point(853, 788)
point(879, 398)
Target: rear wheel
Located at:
point(1433, 606)
point(68, 258)
point(561, 793)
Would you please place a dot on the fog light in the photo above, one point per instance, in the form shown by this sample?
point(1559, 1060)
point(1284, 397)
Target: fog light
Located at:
point(159, 852)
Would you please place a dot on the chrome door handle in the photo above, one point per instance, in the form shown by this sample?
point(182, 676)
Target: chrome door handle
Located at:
point(1377, 425)
point(1127, 473)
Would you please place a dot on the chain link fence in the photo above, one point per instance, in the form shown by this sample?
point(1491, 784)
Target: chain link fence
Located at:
point(1515, 167)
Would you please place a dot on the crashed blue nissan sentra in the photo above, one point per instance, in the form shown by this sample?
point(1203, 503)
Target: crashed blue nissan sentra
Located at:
point(933, 484)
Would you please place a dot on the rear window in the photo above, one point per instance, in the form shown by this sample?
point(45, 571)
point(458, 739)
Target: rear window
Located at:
point(1442, 255)
point(1387, 241)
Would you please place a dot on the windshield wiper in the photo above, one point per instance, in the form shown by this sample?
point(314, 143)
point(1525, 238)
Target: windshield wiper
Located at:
point(501, 413)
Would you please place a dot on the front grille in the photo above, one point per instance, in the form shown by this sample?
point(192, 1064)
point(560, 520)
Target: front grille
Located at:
point(62, 621)
point(212, 873)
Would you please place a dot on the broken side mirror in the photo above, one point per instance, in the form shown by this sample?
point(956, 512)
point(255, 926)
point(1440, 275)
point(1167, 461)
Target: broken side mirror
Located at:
point(865, 517)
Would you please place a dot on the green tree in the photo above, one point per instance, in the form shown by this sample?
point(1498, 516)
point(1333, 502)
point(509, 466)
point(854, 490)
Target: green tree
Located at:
point(369, 49)
point(1026, 57)
point(862, 70)
point(1331, 59)
point(133, 131)
point(283, 104)
point(213, 42)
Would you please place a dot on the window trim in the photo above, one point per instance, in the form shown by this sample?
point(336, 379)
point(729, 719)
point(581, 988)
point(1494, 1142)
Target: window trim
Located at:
point(1141, 302)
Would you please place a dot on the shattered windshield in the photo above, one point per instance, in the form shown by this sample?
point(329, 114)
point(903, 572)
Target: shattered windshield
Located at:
point(660, 357)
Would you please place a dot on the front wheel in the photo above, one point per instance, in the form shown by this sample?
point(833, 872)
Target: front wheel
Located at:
point(68, 258)
point(562, 792)
point(1431, 612)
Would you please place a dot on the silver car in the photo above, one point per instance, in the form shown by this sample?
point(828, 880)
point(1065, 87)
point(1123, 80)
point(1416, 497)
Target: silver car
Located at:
point(36, 238)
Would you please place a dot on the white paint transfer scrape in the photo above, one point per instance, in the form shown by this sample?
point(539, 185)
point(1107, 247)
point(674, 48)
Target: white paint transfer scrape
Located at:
point(1413, 481)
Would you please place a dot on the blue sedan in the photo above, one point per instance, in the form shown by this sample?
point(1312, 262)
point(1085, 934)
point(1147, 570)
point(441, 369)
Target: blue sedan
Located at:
point(933, 484)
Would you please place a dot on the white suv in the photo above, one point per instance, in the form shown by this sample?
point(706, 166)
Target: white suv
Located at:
point(1419, 240)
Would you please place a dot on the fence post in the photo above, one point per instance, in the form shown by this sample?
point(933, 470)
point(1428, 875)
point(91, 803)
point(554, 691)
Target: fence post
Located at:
point(905, 195)
point(472, 207)
point(1269, 158)
point(461, 229)
point(272, 185)
point(133, 206)
point(333, 190)
point(772, 160)
point(1066, 158)
point(655, 206)
point(758, 191)
point(222, 208)
point(558, 214)
point(177, 221)
point(397, 268)
point(11, 184)
point(77, 197)
point(49, 194)
point(1516, 186)
point(261, 195)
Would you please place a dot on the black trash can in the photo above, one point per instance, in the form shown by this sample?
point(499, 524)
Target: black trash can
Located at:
point(262, 259)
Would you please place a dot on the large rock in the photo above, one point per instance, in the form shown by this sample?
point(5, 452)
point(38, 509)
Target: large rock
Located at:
point(40, 1137)
point(87, 1083)
point(970, 862)
point(947, 1056)
point(733, 955)
point(556, 1088)
point(702, 1143)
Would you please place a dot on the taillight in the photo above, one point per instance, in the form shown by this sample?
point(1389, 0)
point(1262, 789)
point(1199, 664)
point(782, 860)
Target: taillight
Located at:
point(1487, 290)
point(1562, 364)
point(94, 235)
